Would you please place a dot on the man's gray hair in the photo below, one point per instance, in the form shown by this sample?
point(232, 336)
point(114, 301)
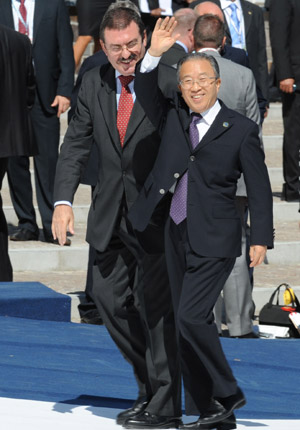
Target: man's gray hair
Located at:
point(196, 56)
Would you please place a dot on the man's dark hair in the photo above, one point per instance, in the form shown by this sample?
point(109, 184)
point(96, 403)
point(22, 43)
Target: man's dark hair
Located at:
point(119, 16)
point(209, 32)
point(196, 56)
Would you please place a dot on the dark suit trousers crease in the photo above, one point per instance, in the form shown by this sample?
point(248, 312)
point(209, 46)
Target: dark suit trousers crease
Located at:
point(132, 293)
point(5, 265)
point(291, 143)
point(46, 132)
point(196, 283)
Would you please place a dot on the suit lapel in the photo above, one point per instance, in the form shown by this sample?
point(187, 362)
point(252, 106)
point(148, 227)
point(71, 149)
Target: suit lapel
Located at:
point(222, 123)
point(39, 10)
point(108, 103)
point(184, 118)
point(136, 117)
point(247, 14)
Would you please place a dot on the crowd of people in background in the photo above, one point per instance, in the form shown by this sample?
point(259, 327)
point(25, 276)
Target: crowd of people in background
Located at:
point(165, 126)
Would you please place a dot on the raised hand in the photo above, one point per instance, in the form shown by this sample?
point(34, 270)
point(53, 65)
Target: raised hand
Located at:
point(162, 37)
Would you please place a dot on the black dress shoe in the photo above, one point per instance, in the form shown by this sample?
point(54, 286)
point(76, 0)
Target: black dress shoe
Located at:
point(236, 401)
point(214, 414)
point(250, 335)
point(24, 234)
point(145, 420)
point(138, 407)
point(228, 424)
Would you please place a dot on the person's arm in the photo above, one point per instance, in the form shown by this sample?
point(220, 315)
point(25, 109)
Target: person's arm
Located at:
point(252, 108)
point(72, 160)
point(259, 194)
point(146, 81)
point(280, 20)
point(155, 9)
point(66, 60)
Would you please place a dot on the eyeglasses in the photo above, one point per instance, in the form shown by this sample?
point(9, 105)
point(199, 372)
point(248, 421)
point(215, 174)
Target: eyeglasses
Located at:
point(116, 49)
point(188, 83)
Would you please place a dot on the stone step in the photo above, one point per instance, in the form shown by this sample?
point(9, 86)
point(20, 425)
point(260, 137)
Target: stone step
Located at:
point(283, 211)
point(272, 142)
point(80, 214)
point(275, 112)
point(276, 177)
point(32, 257)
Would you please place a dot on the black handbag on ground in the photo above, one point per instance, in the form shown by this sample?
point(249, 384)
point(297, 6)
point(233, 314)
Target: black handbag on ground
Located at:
point(274, 314)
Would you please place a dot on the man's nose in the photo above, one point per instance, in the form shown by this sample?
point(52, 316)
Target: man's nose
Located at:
point(125, 52)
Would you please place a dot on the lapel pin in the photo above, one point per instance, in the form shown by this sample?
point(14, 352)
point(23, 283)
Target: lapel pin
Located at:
point(249, 12)
point(225, 124)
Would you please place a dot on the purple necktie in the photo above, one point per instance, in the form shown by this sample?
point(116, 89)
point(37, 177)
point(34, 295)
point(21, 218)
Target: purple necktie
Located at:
point(178, 204)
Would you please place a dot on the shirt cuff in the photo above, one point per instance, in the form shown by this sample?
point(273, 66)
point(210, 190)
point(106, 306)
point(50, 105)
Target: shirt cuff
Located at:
point(149, 63)
point(62, 202)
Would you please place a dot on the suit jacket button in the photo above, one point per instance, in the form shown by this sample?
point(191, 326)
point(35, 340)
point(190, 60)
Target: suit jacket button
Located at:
point(192, 158)
point(176, 175)
point(162, 191)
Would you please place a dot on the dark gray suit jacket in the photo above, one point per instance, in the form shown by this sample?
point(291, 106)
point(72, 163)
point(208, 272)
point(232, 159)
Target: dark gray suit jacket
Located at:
point(52, 48)
point(122, 172)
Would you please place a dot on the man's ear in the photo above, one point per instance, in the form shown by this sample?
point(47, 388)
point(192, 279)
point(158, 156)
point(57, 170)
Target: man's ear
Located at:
point(144, 40)
point(224, 41)
point(103, 46)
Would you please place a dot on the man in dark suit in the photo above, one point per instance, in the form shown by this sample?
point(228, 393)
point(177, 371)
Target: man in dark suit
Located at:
point(206, 147)
point(285, 41)
point(130, 286)
point(229, 52)
point(17, 88)
point(253, 37)
point(48, 26)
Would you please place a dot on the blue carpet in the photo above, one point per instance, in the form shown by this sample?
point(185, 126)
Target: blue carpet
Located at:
point(79, 364)
point(33, 300)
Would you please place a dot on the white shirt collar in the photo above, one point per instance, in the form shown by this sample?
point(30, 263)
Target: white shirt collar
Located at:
point(210, 114)
point(208, 49)
point(226, 3)
point(120, 74)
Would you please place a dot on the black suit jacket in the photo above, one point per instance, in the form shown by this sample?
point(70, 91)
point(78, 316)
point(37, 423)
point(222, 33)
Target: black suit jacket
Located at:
point(121, 172)
point(52, 48)
point(255, 41)
point(17, 89)
point(173, 55)
point(230, 146)
point(285, 38)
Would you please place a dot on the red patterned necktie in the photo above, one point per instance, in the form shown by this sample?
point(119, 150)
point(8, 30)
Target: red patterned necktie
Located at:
point(23, 13)
point(125, 107)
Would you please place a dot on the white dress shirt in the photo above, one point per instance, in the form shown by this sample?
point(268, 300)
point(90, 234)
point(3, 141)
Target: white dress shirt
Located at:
point(225, 5)
point(29, 4)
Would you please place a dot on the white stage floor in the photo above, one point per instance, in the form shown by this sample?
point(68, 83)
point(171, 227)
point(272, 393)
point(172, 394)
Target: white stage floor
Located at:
point(16, 414)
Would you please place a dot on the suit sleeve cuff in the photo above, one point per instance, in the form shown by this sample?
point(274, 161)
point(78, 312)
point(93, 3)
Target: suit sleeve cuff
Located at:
point(62, 202)
point(149, 63)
